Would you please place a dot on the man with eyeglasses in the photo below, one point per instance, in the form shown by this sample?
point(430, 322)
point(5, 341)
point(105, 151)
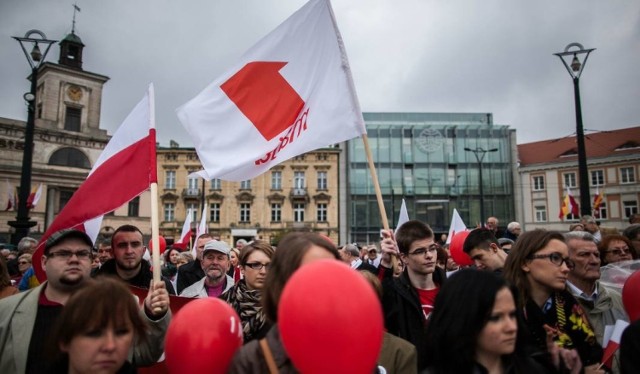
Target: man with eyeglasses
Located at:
point(127, 248)
point(408, 299)
point(215, 262)
point(603, 306)
point(26, 319)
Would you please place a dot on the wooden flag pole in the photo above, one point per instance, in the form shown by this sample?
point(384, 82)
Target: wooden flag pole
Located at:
point(376, 184)
point(155, 233)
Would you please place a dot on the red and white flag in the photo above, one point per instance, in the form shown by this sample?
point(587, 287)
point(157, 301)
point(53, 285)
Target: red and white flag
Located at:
point(34, 197)
point(611, 341)
point(11, 197)
point(125, 169)
point(202, 228)
point(291, 93)
point(185, 236)
point(569, 205)
point(457, 225)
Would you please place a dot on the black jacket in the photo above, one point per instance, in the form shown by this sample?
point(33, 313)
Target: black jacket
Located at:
point(189, 274)
point(403, 315)
point(141, 280)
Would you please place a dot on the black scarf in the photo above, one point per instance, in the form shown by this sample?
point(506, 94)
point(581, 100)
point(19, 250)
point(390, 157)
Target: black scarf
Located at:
point(247, 304)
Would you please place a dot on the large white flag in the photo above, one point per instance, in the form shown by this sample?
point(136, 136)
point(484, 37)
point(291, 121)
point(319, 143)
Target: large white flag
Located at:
point(202, 228)
point(403, 217)
point(125, 169)
point(289, 94)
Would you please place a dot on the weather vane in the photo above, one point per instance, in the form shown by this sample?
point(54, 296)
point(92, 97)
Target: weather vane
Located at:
point(73, 26)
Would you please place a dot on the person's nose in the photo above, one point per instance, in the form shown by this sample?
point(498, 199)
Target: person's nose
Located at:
point(109, 341)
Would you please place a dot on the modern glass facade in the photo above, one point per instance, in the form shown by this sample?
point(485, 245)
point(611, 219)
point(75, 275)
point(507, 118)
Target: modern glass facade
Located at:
point(421, 158)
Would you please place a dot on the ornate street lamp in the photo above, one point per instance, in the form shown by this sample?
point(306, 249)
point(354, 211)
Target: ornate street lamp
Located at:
point(480, 153)
point(575, 70)
point(36, 38)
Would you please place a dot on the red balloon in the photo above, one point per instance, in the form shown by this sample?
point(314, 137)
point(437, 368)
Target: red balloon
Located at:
point(330, 320)
point(203, 337)
point(163, 244)
point(455, 247)
point(630, 299)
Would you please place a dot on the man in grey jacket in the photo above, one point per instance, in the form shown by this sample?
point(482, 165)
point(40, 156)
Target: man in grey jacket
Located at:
point(26, 319)
point(215, 264)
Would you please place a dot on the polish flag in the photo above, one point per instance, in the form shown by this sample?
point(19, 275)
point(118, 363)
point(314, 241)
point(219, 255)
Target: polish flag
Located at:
point(291, 93)
point(11, 197)
point(125, 169)
point(457, 225)
point(202, 228)
point(403, 217)
point(611, 341)
point(185, 236)
point(34, 197)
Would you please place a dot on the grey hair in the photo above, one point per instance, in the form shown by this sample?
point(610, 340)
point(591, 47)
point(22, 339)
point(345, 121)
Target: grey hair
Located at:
point(27, 243)
point(352, 250)
point(512, 225)
point(578, 235)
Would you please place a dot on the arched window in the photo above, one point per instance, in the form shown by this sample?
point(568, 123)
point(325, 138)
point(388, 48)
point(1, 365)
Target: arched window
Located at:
point(70, 157)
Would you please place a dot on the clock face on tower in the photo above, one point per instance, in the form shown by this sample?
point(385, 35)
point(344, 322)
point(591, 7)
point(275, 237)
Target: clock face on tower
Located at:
point(74, 93)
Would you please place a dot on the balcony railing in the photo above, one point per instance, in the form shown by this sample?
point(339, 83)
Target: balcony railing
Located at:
point(191, 192)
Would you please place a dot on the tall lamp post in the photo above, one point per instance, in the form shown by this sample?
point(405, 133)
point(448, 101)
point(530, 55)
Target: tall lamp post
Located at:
point(480, 153)
point(22, 224)
point(575, 70)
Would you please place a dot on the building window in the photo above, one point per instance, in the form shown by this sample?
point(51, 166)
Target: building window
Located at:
point(169, 212)
point(630, 208)
point(322, 180)
point(570, 180)
point(276, 180)
point(64, 197)
point(70, 157)
point(245, 212)
point(193, 207)
point(216, 184)
point(322, 213)
point(627, 175)
point(538, 183)
point(541, 213)
point(298, 179)
point(214, 212)
point(170, 179)
point(192, 185)
point(72, 119)
point(597, 178)
point(134, 207)
point(601, 212)
point(298, 212)
point(276, 212)
point(245, 185)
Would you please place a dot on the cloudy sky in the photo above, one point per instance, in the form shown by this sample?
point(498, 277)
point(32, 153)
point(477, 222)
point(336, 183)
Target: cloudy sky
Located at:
point(406, 55)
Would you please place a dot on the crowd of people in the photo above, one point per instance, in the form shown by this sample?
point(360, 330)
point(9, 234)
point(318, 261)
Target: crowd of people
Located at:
point(531, 302)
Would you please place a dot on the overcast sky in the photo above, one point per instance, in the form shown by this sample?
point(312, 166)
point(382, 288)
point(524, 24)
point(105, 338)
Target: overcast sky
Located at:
point(406, 55)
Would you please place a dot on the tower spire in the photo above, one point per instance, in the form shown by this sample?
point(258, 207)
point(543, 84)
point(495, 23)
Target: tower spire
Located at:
point(76, 8)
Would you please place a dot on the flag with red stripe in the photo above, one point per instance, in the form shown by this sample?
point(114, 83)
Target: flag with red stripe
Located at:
point(125, 169)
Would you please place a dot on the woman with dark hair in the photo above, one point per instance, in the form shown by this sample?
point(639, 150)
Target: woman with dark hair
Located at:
point(294, 250)
point(245, 296)
point(616, 248)
point(97, 328)
point(6, 288)
point(538, 266)
point(474, 328)
point(170, 266)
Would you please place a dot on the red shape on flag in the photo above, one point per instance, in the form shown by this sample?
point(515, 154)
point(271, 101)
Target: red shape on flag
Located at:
point(264, 97)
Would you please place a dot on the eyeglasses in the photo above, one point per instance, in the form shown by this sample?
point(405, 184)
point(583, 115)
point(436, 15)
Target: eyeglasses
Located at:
point(23, 262)
point(421, 251)
point(258, 265)
point(66, 255)
point(619, 251)
point(556, 259)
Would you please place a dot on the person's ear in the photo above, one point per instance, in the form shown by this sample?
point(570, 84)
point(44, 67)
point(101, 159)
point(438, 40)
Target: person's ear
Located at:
point(525, 268)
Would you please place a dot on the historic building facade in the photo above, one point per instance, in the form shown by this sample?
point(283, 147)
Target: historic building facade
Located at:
point(67, 143)
point(299, 194)
point(549, 168)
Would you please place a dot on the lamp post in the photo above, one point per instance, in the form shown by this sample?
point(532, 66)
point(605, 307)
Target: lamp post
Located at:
point(575, 70)
point(480, 153)
point(35, 58)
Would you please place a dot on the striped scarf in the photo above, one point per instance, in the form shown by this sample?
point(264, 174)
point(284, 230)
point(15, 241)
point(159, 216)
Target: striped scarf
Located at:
point(247, 304)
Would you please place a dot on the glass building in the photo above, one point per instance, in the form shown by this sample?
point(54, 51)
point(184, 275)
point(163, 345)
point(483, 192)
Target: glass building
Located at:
point(421, 158)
